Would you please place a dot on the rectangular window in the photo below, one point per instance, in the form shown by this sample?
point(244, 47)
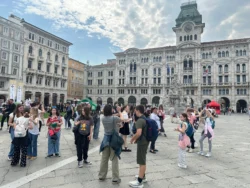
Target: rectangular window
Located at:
point(220, 79)
point(142, 81)
point(187, 92)
point(48, 68)
point(192, 92)
point(15, 58)
point(2, 84)
point(244, 80)
point(5, 44)
point(6, 31)
point(14, 71)
point(63, 72)
point(226, 79)
point(159, 80)
point(146, 80)
point(154, 82)
point(39, 67)
point(209, 80)
point(29, 64)
point(238, 78)
point(55, 70)
point(4, 55)
point(204, 80)
point(3, 70)
point(16, 47)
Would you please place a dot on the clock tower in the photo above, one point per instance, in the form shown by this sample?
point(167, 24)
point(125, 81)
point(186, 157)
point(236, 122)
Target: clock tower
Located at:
point(189, 26)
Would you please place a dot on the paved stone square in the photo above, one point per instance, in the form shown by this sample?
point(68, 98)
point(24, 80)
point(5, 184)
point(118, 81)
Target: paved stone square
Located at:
point(228, 167)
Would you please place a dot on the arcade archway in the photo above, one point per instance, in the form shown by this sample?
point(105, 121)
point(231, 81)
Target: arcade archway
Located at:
point(241, 106)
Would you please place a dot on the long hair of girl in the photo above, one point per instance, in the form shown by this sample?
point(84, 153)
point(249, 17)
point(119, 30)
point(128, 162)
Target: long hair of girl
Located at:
point(185, 116)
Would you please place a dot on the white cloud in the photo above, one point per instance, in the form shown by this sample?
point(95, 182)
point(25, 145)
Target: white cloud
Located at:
point(137, 23)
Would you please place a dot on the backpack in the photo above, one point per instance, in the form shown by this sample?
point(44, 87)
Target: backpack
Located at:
point(190, 130)
point(20, 130)
point(151, 129)
point(212, 122)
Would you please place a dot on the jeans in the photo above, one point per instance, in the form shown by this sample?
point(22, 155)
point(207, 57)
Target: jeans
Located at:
point(96, 129)
point(67, 122)
point(152, 146)
point(11, 153)
point(82, 147)
point(3, 119)
point(54, 146)
point(32, 149)
point(192, 140)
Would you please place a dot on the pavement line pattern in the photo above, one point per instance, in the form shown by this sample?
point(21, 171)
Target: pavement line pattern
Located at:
point(44, 171)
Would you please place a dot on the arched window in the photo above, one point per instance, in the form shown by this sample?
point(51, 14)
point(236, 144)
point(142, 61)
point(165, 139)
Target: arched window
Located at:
point(123, 72)
point(147, 59)
point(159, 71)
point(154, 59)
point(170, 58)
point(120, 72)
point(56, 57)
point(227, 53)
point(240, 52)
point(172, 71)
point(237, 53)
point(185, 63)
point(206, 55)
point(223, 54)
point(40, 53)
point(209, 69)
point(48, 55)
point(142, 72)
point(244, 52)
point(30, 49)
point(167, 58)
point(191, 37)
point(220, 68)
point(180, 38)
point(226, 69)
point(185, 38)
point(219, 54)
point(173, 58)
point(188, 37)
point(244, 67)
point(210, 55)
point(154, 71)
point(203, 56)
point(134, 67)
point(238, 68)
point(160, 59)
point(195, 37)
point(190, 63)
point(141, 59)
point(63, 60)
point(157, 59)
point(204, 68)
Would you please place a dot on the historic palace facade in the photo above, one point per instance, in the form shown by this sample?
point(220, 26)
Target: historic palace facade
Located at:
point(207, 70)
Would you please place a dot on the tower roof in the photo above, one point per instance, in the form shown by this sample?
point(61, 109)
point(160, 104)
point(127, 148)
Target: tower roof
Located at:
point(189, 12)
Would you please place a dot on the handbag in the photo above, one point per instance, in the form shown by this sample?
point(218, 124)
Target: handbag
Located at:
point(116, 141)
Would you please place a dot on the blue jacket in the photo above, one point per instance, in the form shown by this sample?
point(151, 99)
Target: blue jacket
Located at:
point(105, 143)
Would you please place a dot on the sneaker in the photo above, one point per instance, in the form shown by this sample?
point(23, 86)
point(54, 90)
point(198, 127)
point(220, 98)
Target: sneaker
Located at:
point(48, 156)
point(201, 153)
point(182, 166)
point(208, 154)
point(116, 181)
point(9, 158)
point(136, 184)
point(144, 180)
point(80, 164)
point(190, 150)
point(87, 162)
point(57, 155)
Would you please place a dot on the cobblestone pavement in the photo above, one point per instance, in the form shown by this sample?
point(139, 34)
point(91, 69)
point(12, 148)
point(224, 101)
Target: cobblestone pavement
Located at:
point(228, 167)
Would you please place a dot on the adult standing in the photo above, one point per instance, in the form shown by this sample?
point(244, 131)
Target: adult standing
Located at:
point(142, 146)
point(18, 112)
point(155, 117)
point(5, 114)
point(69, 114)
point(9, 110)
point(84, 126)
point(96, 118)
point(54, 124)
point(161, 114)
point(124, 131)
point(110, 123)
point(172, 113)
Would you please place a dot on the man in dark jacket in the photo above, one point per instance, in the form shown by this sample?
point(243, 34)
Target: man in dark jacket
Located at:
point(10, 107)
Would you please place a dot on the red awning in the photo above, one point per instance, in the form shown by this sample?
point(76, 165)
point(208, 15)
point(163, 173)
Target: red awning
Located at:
point(213, 104)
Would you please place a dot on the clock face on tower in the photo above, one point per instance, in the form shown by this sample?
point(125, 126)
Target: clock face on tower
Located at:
point(188, 28)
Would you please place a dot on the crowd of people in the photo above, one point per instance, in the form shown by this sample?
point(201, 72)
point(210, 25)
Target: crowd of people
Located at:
point(142, 124)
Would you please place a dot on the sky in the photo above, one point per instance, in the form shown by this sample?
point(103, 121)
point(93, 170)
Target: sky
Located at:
point(100, 28)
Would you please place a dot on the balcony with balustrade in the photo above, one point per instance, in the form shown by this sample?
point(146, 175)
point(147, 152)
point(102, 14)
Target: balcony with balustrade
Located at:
point(31, 56)
point(40, 59)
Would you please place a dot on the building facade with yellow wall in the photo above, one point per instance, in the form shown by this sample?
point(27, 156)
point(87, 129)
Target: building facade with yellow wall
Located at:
point(75, 80)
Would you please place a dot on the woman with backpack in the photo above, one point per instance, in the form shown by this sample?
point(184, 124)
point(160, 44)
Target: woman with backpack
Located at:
point(191, 118)
point(96, 118)
point(155, 117)
point(124, 131)
point(21, 139)
point(207, 133)
point(84, 127)
point(18, 112)
point(33, 133)
point(161, 114)
point(184, 140)
point(54, 124)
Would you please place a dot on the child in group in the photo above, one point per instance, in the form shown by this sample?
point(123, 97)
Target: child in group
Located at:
point(33, 134)
point(21, 139)
point(184, 140)
point(207, 133)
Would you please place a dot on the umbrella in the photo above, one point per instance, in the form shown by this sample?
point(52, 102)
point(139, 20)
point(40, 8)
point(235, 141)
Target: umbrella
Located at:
point(87, 100)
point(213, 104)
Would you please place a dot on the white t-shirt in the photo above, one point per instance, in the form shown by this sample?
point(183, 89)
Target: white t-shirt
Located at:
point(35, 130)
point(11, 116)
point(208, 122)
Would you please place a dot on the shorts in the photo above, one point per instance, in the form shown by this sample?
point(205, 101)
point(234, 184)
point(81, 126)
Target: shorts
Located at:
point(141, 154)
